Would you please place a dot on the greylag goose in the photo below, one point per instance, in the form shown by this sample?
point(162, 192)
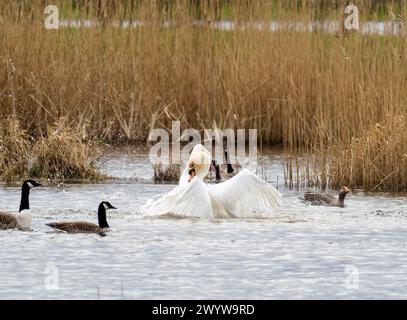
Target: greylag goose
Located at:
point(318, 198)
point(84, 226)
point(21, 220)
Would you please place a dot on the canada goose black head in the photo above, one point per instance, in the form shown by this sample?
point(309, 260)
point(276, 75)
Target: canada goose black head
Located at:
point(30, 184)
point(107, 205)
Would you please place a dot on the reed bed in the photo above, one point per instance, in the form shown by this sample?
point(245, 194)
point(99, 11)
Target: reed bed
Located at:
point(14, 150)
point(61, 155)
point(309, 90)
point(375, 161)
point(166, 173)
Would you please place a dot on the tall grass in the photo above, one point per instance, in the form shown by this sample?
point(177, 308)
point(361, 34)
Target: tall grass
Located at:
point(60, 155)
point(169, 173)
point(302, 90)
point(375, 161)
point(14, 150)
point(63, 155)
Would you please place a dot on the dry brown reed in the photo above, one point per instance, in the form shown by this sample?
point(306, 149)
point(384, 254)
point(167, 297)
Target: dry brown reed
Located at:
point(115, 84)
point(63, 155)
point(169, 173)
point(302, 89)
point(375, 161)
point(14, 150)
point(60, 155)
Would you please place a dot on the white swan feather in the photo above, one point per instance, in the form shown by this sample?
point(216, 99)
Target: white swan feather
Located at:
point(243, 196)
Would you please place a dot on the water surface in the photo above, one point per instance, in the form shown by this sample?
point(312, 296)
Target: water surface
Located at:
point(300, 251)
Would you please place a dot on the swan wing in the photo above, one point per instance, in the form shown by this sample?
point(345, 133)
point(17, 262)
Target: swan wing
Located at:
point(75, 226)
point(190, 200)
point(245, 194)
point(183, 180)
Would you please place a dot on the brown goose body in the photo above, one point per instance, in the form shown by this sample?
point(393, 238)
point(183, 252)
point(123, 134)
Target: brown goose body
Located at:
point(318, 198)
point(84, 226)
point(78, 227)
point(8, 221)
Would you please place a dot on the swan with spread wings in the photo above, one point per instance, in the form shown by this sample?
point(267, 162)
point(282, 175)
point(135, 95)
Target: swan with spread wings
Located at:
point(243, 196)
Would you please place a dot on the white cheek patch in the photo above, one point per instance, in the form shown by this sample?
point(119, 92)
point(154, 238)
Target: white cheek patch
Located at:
point(30, 185)
point(106, 207)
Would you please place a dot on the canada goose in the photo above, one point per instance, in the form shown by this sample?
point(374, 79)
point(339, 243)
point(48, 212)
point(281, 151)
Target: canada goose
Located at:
point(225, 169)
point(327, 199)
point(214, 171)
point(83, 226)
point(220, 172)
point(21, 220)
point(228, 169)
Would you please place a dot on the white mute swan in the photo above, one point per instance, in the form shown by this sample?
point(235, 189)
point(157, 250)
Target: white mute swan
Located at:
point(243, 196)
